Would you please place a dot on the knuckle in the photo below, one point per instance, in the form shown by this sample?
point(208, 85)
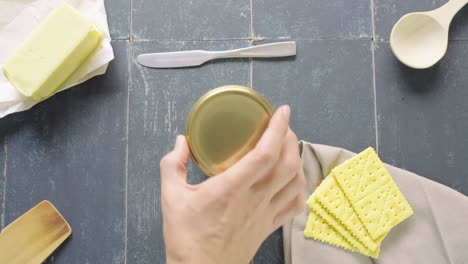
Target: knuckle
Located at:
point(299, 209)
point(300, 199)
point(165, 203)
point(302, 180)
point(291, 135)
point(299, 183)
point(167, 161)
point(221, 199)
point(226, 193)
point(222, 194)
point(299, 204)
point(255, 206)
point(292, 163)
point(263, 155)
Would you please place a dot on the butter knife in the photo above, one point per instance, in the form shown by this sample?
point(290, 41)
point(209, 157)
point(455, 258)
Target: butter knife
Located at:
point(191, 58)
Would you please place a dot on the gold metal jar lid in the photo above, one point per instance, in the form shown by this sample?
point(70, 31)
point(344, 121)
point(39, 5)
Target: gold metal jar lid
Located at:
point(224, 125)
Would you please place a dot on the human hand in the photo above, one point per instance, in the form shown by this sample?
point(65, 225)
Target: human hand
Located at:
point(226, 218)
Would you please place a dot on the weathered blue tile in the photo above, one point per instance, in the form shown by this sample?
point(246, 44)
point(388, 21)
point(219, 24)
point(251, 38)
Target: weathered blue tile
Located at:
point(118, 17)
point(70, 150)
point(160, 101)
point(423, 115)
point(2, 176)
point(190, 20)
point(459, 26)
point(329, 87)
point(272, 250)
point(312, 19)
point(388, 12)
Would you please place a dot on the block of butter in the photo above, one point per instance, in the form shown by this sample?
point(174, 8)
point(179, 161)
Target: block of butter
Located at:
point(51, 53)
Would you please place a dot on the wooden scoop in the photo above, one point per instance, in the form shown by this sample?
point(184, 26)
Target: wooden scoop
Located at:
point(32, 237)
point(420, 39)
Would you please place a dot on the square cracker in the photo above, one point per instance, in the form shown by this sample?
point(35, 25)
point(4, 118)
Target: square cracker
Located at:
point(318, 229)
point(372, 192)
point(317, 208)
point(383, 209)
point(334, 202)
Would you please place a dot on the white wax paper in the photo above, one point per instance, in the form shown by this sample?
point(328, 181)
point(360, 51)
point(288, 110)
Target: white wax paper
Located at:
point(18, 18)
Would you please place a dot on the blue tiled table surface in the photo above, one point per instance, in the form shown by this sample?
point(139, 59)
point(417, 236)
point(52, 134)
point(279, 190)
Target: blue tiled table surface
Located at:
point(94, 150)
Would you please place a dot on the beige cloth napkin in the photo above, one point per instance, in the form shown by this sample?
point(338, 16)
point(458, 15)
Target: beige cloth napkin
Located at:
point(437, 233)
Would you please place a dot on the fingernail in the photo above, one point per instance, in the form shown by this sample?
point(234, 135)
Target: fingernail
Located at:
point(286, 112)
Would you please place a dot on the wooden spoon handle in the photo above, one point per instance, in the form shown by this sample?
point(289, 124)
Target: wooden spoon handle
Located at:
point(445, 13)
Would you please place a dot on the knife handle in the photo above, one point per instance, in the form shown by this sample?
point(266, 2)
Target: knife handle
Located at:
point(280, 49)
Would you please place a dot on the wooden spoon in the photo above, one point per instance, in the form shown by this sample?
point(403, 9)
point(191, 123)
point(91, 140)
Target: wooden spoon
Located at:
point(32, 237)
point(420, 39)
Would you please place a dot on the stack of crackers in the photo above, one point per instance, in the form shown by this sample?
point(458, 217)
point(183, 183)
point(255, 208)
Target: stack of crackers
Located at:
point(356, 205)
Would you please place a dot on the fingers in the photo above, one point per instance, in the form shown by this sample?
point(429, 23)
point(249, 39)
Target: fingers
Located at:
point(274, 135)
point(174, 164)
point(288, 166)
point(295, 207)
point(294, 188)
point(267, 151)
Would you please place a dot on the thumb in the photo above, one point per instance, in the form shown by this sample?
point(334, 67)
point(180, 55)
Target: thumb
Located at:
point(174, 164)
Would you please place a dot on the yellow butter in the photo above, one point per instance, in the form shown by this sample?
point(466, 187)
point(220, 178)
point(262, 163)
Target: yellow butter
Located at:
point(51, 53)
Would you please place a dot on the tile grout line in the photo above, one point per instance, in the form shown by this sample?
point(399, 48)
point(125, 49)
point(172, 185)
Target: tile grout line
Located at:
point(188, 40)
point(251, 35)
point(374, 85)
point(130, 23)
point(251, 86)
point(5, 148)
point(126, 151)
point(251, 39)
point(251, 72)
point(129, 79)
point(450, 40)
point(264, 38)
point(119, 38)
